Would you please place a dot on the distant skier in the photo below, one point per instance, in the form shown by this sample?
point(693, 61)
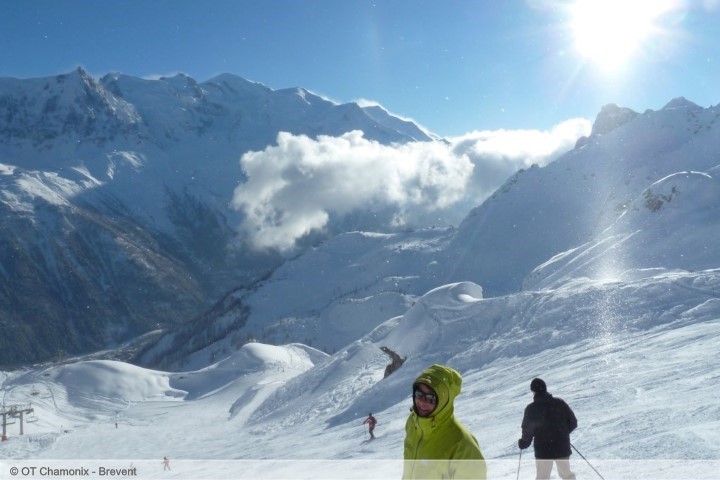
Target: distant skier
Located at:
point(371, 422)
point(549, 420)
point(166, 463)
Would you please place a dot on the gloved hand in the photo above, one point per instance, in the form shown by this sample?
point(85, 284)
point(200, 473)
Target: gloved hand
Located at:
point(523, 444)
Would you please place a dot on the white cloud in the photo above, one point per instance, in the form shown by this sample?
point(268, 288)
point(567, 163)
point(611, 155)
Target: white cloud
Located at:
point(293, 187)
point(297, 186)
point(497, 154)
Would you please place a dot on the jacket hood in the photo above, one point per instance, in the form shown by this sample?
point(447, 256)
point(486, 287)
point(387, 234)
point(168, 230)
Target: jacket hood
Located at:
point(447, 383)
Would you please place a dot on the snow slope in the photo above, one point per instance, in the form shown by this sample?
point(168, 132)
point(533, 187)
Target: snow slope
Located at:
point(636, 360)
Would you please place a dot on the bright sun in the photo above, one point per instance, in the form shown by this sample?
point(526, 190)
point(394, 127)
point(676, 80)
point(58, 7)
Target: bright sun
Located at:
point(610, 32)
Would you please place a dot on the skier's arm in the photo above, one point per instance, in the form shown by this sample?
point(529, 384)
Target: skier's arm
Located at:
point(572, 420)
point(528, 430)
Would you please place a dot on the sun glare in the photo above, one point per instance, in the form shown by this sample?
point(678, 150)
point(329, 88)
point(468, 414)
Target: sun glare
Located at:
point(610, 32)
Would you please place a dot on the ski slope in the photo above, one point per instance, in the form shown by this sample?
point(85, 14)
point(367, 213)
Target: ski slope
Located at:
point(635, 359)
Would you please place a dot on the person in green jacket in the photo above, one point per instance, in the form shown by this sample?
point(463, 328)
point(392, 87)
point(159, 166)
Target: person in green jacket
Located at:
point(437, 445)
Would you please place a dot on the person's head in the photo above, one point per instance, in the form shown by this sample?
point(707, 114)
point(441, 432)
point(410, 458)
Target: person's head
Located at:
point(435, 390)
point(538, 385)
point(425, 399)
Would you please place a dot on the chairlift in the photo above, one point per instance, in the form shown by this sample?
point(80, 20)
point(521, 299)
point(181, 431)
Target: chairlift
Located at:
point(32, 419)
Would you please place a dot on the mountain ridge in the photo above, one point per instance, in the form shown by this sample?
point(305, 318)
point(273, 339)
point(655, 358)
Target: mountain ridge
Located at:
point(126, 183)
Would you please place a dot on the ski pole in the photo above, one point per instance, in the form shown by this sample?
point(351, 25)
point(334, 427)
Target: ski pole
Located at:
point(578, 452)
point(519, 459)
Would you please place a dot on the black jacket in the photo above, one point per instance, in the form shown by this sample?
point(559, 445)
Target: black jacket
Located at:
point(549, 420)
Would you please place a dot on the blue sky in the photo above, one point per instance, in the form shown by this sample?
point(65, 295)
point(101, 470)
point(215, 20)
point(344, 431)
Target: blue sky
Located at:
point(454, 66)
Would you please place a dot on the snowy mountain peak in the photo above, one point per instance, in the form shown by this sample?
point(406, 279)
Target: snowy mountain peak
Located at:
point(612, 117)
point(183, 84)
point(237, 85)
point(681, 102)
point(71, 108)
point(77, 75)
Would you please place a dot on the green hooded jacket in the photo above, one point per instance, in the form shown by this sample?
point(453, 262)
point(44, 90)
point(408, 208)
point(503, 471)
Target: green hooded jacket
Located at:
point(438, 446)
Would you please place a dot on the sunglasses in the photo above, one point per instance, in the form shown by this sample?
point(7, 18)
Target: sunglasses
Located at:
point(425, 397)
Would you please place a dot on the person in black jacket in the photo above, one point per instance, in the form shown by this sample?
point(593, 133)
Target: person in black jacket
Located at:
point(549, 420)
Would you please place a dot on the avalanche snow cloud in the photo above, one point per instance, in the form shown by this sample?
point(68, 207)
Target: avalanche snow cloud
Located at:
point(296, 186)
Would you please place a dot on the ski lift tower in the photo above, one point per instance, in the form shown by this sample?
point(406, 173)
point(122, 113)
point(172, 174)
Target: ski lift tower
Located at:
point(13, 411)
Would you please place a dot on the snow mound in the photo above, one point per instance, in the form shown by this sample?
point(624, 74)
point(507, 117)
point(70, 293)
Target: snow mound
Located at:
point(259, 356)
point(116, 380)
point(461, 292)
point(251, 360)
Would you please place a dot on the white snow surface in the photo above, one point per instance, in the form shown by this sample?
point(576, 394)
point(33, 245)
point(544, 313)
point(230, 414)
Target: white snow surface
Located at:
point(635, 359)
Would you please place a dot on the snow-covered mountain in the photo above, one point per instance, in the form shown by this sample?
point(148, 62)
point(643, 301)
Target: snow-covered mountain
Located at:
point(115, 196)
point(620, 319)
point(640, 195)
point(541, 212)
